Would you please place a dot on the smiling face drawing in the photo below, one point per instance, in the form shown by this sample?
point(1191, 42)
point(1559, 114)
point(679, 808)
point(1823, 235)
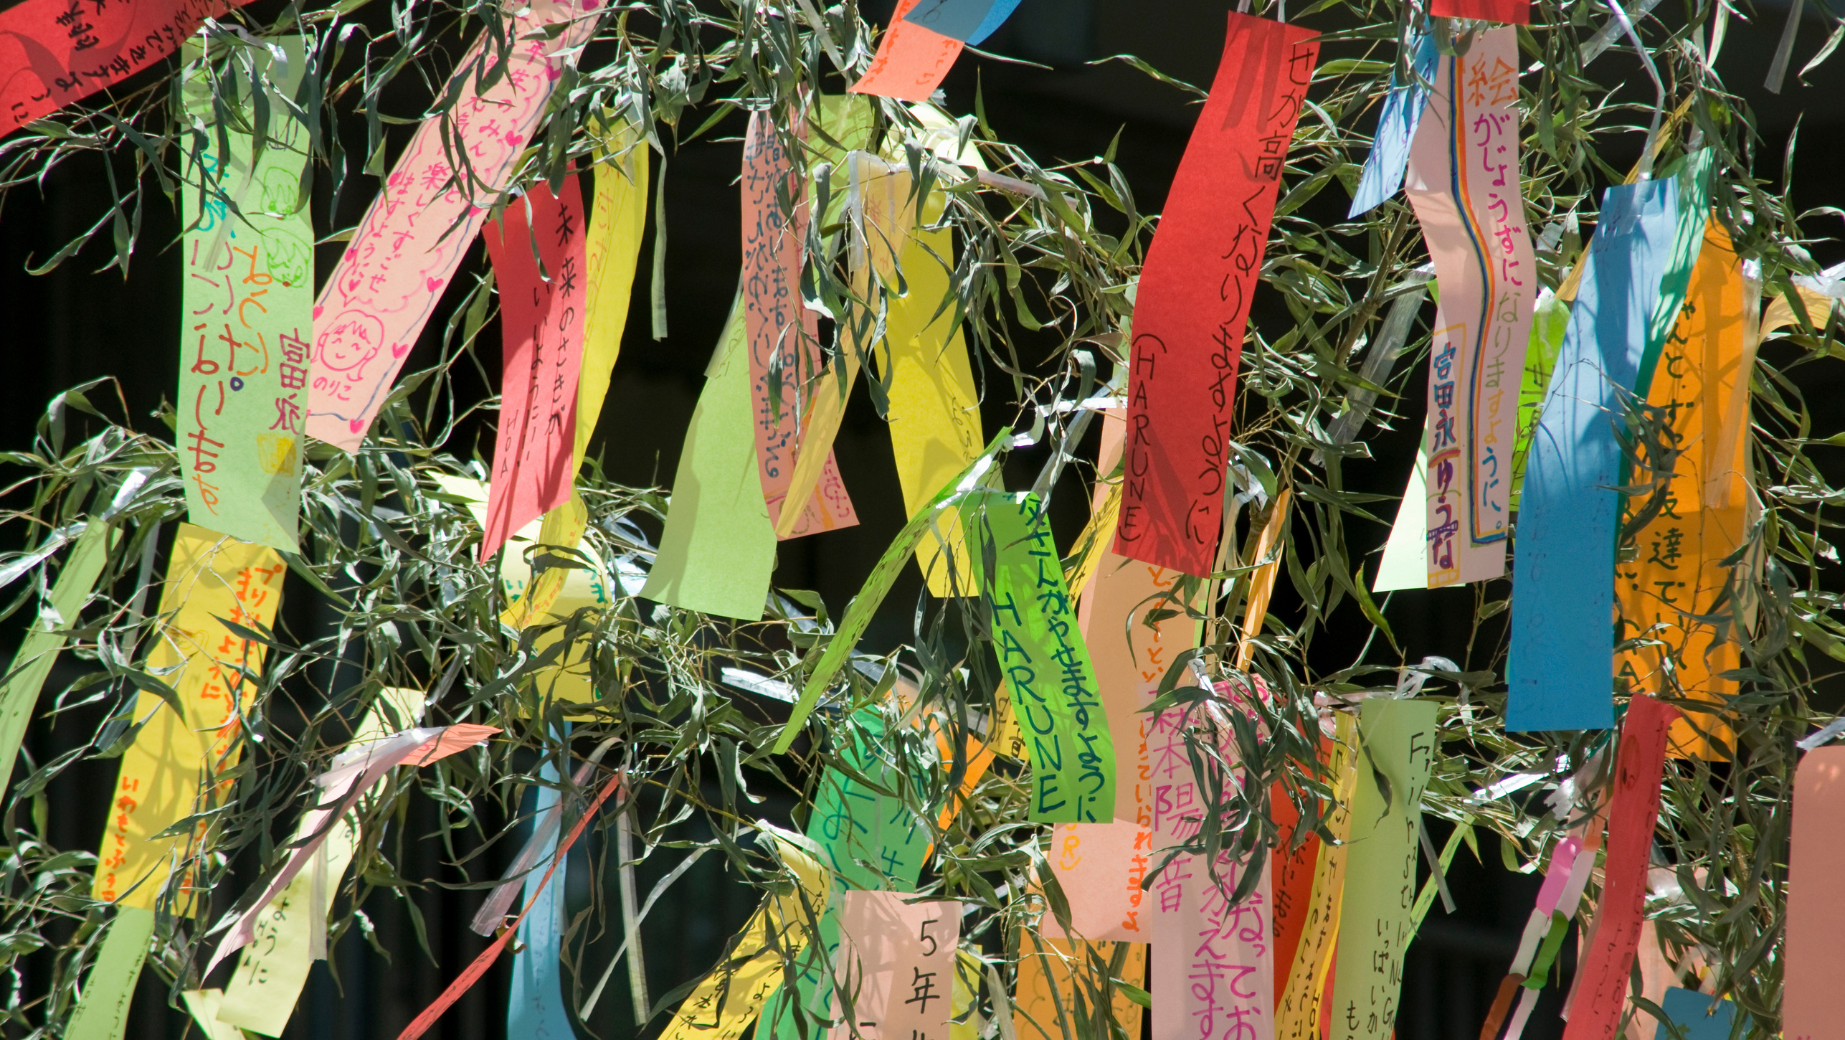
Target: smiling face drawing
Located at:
point(353, 339)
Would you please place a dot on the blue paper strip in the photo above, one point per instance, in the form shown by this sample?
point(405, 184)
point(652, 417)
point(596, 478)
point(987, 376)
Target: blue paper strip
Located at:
point(995, 18)
point(535, 1009)
point(969, 21)
point(1697, 1016)
point(1396, 128)
point(1562, 654)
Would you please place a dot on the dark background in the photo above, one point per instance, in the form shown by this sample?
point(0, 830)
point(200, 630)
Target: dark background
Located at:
point(75, 324)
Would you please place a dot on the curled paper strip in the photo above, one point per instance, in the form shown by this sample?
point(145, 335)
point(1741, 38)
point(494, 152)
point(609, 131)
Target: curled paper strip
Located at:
point(347, 777)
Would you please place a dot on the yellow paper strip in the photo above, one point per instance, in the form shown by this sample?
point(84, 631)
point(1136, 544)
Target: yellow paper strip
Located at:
point(262, 992)
point(166, 773)
point(1262, 579)
point(617, 219)
point(1297, 1015)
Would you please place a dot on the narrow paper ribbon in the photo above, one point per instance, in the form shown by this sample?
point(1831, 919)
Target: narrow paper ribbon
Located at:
point(374, 305)
point(248, 311)
point(1297, 1013)
point(1396, 128)
point(617, 220)
point(1194, 296)
point(538, 257)
point(1812, 957)
point(1464, 185)
point(1396, 739)
point(102, 1014)
point(163, 773)
point(535, 1004)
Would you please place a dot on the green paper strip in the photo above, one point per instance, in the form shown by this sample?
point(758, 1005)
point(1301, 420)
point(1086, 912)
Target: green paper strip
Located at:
point(1547, 329)
point(1547, 952)
point(247, 311)
point(39, 650)
point(1047, 666)
point(832, 657)
point(718, 548)
point(102, 1010)
point(1397, 739)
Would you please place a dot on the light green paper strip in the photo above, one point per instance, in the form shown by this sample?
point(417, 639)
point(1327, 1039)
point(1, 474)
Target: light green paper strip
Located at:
point(39, 650)
point(718, 548)
point(102, 1010)
point(1406, 554)
point(1396, 738)
point(1549, 324)
point(1047, 667)
point(832, 657)
point(247, 316)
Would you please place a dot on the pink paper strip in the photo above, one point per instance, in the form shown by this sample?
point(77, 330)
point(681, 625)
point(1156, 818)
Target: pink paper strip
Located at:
point(1099, 866)
point(55, 53)
point(911, 60)
point(1813, 959)
point(1557, 875)
point(783, 335)
point(1608, 957)
point(897, 962)
point(541, 322)
point(393, 273)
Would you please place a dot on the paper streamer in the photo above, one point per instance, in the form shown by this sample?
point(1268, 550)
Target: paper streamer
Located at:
point(1291, 876)
point(1099, 867)
point(248, 307)
point(612, 253)
point(1549, 323)
point(1464, 185)
point(1048, 671)
point(783, 335)
point(1297, 1012)
point(1213, 962)
point(1693, 181)
point(1562, 649)
point(1055, 999)
point(377, 300)
point(897, 961)
point(1678, 573)
point(1812, 957)
point(1396, 738)
point(1700, 1017)
point(1396, 128)
point(348, 777)
point(1608, 955)
point(541, 318)
point(1406, 551)
point(102, 1012)
point(44, 641)
point(163, 775)
point(969, 21)
point(202, 1005)
point(718, 546)
point(262, 993)
point(911, 59)
point(1195, 290)
point(1517, 12)
point(535, 1004)
point(1267, 564)
point(52, 59)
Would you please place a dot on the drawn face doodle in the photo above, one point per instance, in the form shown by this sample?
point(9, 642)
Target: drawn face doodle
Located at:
point(352, 340)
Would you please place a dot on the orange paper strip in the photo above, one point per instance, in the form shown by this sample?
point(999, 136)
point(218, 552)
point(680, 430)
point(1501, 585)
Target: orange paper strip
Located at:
point(911, 60)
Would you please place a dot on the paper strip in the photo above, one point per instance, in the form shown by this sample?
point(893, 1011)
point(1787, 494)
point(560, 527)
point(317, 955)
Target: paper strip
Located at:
point(612, 253)
point(166, 773)
point(1812, 957)
point(718, 546)
point(1057, 991)
point(1048, 671)
point(1516, 12)
point(1099, 867)
point(44, 641)
point(896, 959)
point(1562, 649)
point(957, 19)
point(1678, 574)
point(535, 1004)
point(1297, 1013)
point(784, 348)
point(1262, 578)
point(347, 778)
point(1548, 325)
point(1194, 296)
point(1396, 128)
point(1406, 551)
point(202, 1005)
point(263, 991)
point(373, 307)
point(102, 1008)
point(1701, 1017)
point(1464, 185)
point(1693, 181)
point(911, 60)
point(248, 308)
point(541, 317)
point(55, 55)
point(1291, 874)
point(1396, 738)
point(1633, 810)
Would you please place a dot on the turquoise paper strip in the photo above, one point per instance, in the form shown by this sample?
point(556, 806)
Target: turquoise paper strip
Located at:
point(535, 1008)
point(1396, 128)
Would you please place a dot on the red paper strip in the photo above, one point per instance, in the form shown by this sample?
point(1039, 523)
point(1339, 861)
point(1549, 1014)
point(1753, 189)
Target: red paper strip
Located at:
point(1291, 875)
point(466, 980)
point(1602, 981)
point(542, 325)
point(1814, 958)
point(783, 335)
point(1514, 12)
point(911, 60)
point(1193, 301)
point(57, 52)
